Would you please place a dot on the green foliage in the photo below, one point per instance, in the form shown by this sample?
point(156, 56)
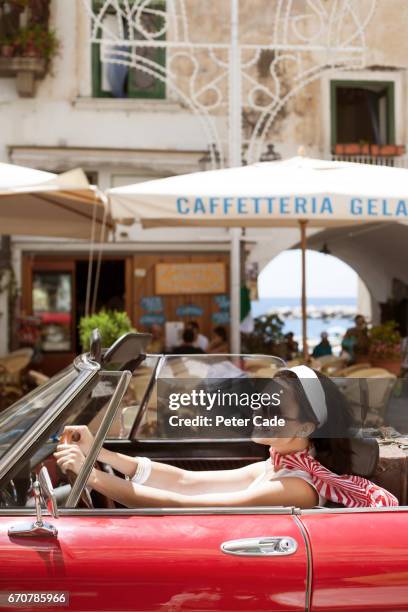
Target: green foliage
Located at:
point(38, 40)
point(267, 337)
point(385, 341)
point(111, 324)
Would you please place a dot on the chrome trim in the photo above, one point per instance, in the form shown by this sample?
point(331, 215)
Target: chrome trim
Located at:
point(270, 510)
point(263, 546)
point(211, 355)
point(84, 362)
point(32, 530)
point(104, 427)
point(309, 568)
point(37, 529)
point(47, 491)
point(112, 512)
point(196, 440)
point(324, 510)
point(146, 396)
point(84, 377)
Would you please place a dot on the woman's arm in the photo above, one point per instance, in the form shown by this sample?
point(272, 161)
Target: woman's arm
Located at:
point(169, 477)
point(283, 492)
point(172, 478)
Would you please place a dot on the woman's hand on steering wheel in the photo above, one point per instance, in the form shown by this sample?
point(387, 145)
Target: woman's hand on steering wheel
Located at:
point(69, 458)
point(79, 435)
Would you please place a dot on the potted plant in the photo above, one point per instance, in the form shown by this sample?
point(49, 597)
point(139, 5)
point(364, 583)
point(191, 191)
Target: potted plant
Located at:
point(267, 337)
point(45, 42)
point(111, 324)
point(6, 47)
point(385, 347)
point(36, 41)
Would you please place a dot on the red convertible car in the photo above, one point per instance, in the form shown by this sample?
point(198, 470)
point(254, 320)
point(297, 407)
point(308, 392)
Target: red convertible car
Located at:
point(62, 545)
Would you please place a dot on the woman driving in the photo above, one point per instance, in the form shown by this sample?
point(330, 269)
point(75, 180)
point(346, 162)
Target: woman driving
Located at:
point(302, 470)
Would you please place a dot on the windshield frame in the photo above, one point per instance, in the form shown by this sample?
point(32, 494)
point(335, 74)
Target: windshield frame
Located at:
point(84, 473)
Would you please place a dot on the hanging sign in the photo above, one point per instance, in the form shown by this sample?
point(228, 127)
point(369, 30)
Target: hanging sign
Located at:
point(190, 278)
point(152, 319)
point(152, 304)
point(189, 310)
point(220, 318)
point(222, 301)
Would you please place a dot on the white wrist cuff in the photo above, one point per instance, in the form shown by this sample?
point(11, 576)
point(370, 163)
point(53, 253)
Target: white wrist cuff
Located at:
point(143, 470)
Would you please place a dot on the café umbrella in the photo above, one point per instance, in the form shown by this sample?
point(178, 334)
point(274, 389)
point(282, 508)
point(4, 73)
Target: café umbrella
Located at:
point(37, 203)
point(301, 191)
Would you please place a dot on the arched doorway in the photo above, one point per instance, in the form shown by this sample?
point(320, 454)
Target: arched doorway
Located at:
point(336, 294)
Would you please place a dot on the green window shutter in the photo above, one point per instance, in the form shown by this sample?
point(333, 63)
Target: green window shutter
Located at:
point(140, 84)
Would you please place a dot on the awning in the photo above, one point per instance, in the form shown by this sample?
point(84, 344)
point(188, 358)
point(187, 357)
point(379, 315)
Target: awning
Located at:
point(282, 193)
point(39, 203)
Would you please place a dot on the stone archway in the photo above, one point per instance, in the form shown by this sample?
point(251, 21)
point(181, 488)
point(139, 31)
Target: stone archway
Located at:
point(375, 251)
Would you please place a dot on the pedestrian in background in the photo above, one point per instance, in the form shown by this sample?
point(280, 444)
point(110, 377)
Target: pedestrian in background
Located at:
point(200, 341)
point(324, 347)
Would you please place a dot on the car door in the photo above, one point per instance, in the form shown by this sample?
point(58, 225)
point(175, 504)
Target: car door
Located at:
point(360, 558)
point(153, 560)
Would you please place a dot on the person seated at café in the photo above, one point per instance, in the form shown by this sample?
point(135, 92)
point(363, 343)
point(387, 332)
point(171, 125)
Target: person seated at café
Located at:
point(219, 342)
point(356, 341)
point(323, 348)
point(292, 347)
point(187, 347)
point(200, 341)
point(156, 344)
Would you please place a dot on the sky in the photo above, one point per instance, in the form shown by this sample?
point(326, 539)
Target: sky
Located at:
point(326, 276)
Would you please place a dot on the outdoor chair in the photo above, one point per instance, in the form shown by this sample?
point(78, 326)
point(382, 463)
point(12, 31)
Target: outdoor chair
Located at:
point(38, 378)
point(353, 368)
point(12, 367)
point(370, 390)
point(332, 364)
point(15, 363)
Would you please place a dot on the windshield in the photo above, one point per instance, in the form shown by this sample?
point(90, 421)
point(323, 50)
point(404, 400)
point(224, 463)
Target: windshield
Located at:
point(19, 417)
point(197, 368)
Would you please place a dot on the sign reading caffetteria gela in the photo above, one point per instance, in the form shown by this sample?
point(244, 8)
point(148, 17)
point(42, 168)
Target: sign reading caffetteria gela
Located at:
point(297, 206)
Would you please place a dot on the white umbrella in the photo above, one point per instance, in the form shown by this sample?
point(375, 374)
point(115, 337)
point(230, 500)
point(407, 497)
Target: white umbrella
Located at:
point(39, 203)
point(298, 191)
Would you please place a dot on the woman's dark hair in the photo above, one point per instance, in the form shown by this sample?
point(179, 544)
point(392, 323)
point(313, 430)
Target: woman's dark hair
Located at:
point(331, 451)
point(221, 332)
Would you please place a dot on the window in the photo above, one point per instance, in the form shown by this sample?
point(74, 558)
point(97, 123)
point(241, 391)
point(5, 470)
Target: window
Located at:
point(362, 112)
point(111, 78)
point(52, 304)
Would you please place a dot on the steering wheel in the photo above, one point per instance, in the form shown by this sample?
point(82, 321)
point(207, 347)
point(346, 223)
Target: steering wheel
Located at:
point(89, 496)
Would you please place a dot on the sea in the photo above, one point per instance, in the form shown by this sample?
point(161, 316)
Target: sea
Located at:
point(335, 326)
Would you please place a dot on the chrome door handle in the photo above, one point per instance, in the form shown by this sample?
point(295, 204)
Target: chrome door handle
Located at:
point(267, 546)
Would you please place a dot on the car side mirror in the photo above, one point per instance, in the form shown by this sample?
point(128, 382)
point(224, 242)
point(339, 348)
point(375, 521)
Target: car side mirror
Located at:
point(42, 489)
point(47, 491)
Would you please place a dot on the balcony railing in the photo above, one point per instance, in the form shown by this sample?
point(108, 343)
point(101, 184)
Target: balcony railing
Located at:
point(397, 162)
point(386, 155)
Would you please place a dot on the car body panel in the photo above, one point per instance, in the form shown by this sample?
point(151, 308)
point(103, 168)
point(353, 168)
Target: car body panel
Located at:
point(171, 562)
point(164, 559)
point(359, 560)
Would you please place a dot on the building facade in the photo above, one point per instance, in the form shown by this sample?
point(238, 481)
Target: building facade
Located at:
point(142, 90)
